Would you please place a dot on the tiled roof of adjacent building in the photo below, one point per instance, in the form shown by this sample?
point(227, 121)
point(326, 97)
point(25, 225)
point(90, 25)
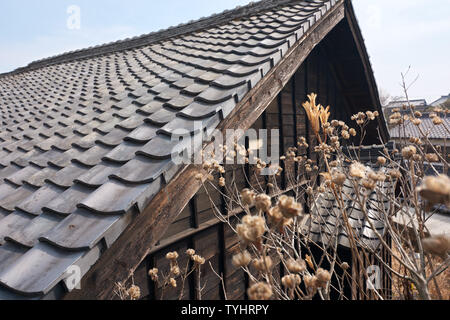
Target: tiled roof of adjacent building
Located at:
point(327, 225)
point(85, 139)
point(400, 103)
point(427, 126)
point(440, 101)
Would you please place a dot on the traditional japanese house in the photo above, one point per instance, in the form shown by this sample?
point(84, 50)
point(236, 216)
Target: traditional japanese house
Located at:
point(86, 175)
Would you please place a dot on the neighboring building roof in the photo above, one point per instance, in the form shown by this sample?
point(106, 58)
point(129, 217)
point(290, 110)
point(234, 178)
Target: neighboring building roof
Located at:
point(326, 223)
point(440, 101)
point(399, 104)
point(433, 131)
point(86, 142)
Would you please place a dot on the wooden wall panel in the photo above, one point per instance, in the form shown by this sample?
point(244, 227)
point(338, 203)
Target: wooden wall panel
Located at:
point(181, 223)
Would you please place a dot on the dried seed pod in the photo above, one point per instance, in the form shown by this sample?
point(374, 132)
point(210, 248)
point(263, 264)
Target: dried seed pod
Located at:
point(242, 259)
point(436, 190)
point(296, 266)
point(260, 291)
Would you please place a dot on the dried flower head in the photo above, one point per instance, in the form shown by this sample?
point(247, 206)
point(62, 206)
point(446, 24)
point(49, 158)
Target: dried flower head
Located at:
point(308, 259)
point(310, 282)
point(338, 178)
point(369, 184)
point(263, 202)
point(134, 292)
point(370, 115)
point(379, 176)
point(173, 282)
point(153, 274)
point(291, 281)
point(289, 207)
point(381, 161)
point(251, 229)
point(175, 270)
point(358, 170)
point(248, 197)
point(438, 109)
point(275, 217)
point(242, 259)
point(302, 142)
point(437, 121)
point(296, 266)
point(345, 134)
point(437, 245)
point(222, 181)
point(317, 114)
point(263, 264)
point(352, 132)
point(199, 260)
point(436, 190)
point(432, 157)
point(260, 291)
point(323, 276)
point(408, 152)
point(395, 118)
point(345, 266)
point(394, 174)
point(190, 252)
point(172, 255)
point(415, 140)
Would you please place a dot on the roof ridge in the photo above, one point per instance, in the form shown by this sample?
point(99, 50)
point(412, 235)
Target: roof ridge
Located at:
point(160, 35)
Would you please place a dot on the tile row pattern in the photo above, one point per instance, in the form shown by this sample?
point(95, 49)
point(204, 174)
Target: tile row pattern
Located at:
point(327, 224)
point(427, 126)
point(85, 145)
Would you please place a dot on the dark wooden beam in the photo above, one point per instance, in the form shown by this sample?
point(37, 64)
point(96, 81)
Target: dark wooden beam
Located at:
point(127, 253)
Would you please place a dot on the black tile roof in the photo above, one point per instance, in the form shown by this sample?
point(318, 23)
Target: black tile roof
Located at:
point(327, 224)
point(427, 126)
point(85, 139)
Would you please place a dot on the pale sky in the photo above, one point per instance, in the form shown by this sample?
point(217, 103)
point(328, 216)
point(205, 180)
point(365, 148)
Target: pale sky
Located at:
point(398, 33)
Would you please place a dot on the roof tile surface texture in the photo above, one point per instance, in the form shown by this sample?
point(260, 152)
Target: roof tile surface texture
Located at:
point(84, 142)
point(426, 127)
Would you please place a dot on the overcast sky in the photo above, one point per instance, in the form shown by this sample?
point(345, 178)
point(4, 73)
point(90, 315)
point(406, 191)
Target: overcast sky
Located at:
point(398, 33)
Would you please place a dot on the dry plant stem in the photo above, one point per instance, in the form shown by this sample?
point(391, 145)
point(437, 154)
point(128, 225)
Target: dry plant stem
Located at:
point(221, 280)
point(198, 283)
point(185, 276)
